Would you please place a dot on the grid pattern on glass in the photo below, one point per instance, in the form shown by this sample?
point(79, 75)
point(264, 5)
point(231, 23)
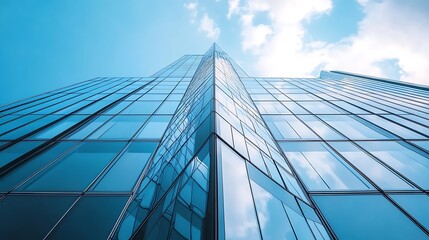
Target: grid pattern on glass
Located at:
point(350, 135)
point(190, 127)
point(69, 149)
point(247, 144)
point(201, 140)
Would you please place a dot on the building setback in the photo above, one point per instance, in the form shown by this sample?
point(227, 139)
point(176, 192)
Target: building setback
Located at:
point(201, 150)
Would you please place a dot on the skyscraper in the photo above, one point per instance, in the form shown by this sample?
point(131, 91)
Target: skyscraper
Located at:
point(202, 150)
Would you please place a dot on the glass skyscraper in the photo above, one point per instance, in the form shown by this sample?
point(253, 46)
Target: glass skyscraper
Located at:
point(201, 150)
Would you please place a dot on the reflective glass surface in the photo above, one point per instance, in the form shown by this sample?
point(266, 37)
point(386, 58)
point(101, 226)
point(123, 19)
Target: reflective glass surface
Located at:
point(202, 150)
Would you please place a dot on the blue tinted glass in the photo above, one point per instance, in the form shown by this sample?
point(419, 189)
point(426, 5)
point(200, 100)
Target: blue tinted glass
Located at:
point(132, 163)
point(270, 213)
point(322, 169)
point(59, 127)
point(323, 130)
point(11, 153)
point(87, 129)
point(288, 127)
point(237, 205)
point(76, 171)
point(392, 127)
point(168, 107)
point(378, 173)
point(154, 128)
point(317, 107)
point(91, 218)
point(12, 178)
point(366, 217)
point(412, 164)
point(351, 128)
point(31, 217)
point(142, 107)
point(417, 205)
point(30, 127)
point(119, 127)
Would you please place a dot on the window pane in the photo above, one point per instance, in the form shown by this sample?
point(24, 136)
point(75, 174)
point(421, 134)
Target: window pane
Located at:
point(168, 107)
point(90, 127)
point(321, 168)
point(320, 128)
point(238, 209)
point(12, 178)
point(119, 128)
point(416, 205)
point(413, 165)
point(318, 107)
point(392, 127)
point(13, 152)
point(288, 127)
point(366, 217)
point(142, 107)
point(58, 127)
point(132, 162)
point(271, 213)
point(90, 218)
point(76, 171)
point(352, 128)
point(31, 217)
point(383, 177)
point(154, 128)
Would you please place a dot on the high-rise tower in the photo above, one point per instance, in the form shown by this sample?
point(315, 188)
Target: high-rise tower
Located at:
point(202, 150)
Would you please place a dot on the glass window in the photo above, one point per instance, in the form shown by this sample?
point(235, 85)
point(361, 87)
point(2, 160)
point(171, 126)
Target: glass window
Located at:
point(152, 96)
point(94, 107)
point(299, 97)
point(91, 218)
point(410, 162)
point(87, 129)
point(117, 108)
point(11, 153)
point(318, 107)
point(417, 205)
point(366, 217)
point(155, 127)
point(142, 107)
point(119, 127)
point(320, 128)
point(16, 122)
point(168, 107)
point(321, 169)
point(352, 128)
point(379, 174)
point(59, 127)
point(272, 108)
point(288, 127)
point(76, 171)
point(31, 217)
point(238, 210)
point(422, 144)
point(392, 127)
point(413, 125)
point(295, 108)
point(132, 162)
point(270, 213)
point(27, 168)
point(348, 107)
point(30, 127)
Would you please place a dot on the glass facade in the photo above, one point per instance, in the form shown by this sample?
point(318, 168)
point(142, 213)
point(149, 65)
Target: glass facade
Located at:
point(201, 150)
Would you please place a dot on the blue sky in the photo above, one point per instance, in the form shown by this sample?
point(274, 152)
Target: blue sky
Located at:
point(50, 44)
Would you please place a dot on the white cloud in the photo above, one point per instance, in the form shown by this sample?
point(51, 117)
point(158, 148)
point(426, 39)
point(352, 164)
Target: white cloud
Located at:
point(192, 7)
point(208, 26)
point(253, 36)
point(232, 7)
point(390, 30)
